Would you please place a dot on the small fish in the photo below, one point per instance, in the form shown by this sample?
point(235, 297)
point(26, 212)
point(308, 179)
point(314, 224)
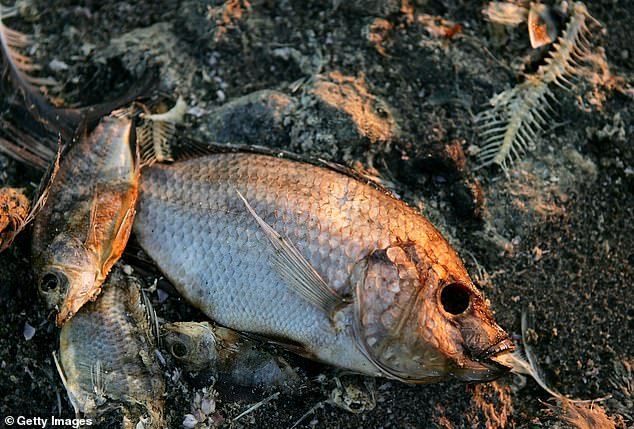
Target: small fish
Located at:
point(14, 209)
point(320, 261)
point(237, 360)
point(83, 228)
point(106, 355)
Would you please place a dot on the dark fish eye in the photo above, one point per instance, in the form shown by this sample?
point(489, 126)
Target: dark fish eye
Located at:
point(49, 282)
point(455, 298)
point(179, 350)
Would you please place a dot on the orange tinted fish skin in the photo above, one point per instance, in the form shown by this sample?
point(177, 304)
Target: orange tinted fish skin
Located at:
point(84, 226)
point(14, 209)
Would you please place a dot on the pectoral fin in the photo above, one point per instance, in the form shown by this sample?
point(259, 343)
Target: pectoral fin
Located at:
point(297, 272)
point(109, 244)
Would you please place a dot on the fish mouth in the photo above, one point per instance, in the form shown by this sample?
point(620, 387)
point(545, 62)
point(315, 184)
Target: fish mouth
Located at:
point(74, 301)
point(505, 346)
point(486, 366)
point(71, 306)
point(66, 312)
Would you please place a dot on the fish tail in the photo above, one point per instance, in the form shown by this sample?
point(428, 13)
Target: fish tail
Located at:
point(16, 71)
point(30, 145)
point(21, 88)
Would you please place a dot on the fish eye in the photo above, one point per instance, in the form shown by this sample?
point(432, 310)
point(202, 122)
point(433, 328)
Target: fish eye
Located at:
point(49, 283)
point(179, 350)
point(455, 298)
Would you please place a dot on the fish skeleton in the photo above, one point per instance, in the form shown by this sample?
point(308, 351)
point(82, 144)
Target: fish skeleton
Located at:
point(328, 265)
point(83, 228)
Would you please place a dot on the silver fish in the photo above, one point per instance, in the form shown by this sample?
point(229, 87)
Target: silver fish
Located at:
point(329, 266)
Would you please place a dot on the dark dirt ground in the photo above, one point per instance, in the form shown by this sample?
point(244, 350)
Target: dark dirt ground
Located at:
point(379, 85)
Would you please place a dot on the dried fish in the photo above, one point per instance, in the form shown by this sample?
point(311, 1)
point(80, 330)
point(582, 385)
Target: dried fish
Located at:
point(116, 368)
point(84, 227)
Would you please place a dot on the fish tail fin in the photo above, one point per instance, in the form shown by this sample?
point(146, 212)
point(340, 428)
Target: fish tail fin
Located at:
point(16, 71)
point(30, 145)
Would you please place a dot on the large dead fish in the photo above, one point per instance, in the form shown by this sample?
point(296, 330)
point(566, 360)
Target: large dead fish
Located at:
point(326, 264)
point(83, 228)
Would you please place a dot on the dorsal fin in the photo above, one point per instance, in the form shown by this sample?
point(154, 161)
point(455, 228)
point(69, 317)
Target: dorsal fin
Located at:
point(185, 148)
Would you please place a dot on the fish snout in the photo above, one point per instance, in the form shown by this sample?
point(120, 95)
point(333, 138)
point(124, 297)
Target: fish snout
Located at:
point(480, 363)
point(505, 345)
point(53, 286)
point(483, 339)
point(83, 287)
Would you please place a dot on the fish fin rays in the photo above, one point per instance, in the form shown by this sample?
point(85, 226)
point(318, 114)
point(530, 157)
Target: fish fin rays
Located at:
point(111, 249)
point(16, 77)
point(296, 271)
point(121, 236)
point(287, 343)
point(157, 133)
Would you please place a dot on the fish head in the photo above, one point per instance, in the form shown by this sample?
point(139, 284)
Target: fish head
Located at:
point(66, 277)
point(420, 320)
point(192, 344)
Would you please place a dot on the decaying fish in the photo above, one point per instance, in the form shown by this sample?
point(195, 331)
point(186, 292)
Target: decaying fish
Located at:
point(14, 209)
point(16, 212)
point(82, 230)
point(235, 359)
point(324, 263)
point(107, 356)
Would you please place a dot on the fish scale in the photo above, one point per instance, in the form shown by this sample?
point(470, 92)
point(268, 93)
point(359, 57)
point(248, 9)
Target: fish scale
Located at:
point(192, 222)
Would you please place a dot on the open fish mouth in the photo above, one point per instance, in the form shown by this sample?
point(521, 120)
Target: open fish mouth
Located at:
point(487, 366)
point(504, 346)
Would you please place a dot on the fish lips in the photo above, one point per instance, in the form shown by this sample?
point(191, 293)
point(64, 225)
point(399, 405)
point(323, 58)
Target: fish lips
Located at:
point(484, 366)
point(77, 296)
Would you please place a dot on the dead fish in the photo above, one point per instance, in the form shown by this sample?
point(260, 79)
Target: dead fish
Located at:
point(235, 359)
point(106, 356)
point(14, 209)
point(84, 226)
point(310, 257)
